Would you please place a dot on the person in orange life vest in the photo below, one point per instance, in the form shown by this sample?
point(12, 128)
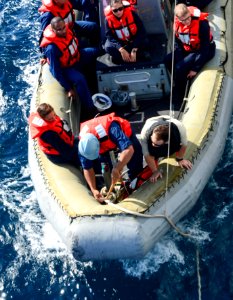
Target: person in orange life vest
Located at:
point(54, 136)
point(126, 39)
point(194, 46)
point(154, 141)
point(64, 9)
point(66, 61)
point(102, 134)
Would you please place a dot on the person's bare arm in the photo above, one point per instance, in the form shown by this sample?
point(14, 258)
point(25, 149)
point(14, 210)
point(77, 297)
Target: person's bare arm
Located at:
point(124, 158)
point(156, 174)
point(90, 178)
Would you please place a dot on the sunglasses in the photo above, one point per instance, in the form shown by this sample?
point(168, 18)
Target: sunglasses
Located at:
point(115, 10)
point(184, 20)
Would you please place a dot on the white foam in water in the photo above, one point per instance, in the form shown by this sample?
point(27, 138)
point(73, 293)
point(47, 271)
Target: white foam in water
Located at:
point(163, 252)
point(34, 240)
point(50, 238)
point(3, 102)
point(224, 212)
point(197, 234)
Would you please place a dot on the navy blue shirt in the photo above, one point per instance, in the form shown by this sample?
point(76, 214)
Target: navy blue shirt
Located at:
point(117, 136)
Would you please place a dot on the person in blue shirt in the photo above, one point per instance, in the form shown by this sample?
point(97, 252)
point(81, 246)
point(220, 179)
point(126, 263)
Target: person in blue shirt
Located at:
point(88, 27)
point(113, 136)
point(67, 67)
point(126, 39)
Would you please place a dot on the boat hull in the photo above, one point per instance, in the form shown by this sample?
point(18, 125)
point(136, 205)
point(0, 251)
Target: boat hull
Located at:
point(132, 227)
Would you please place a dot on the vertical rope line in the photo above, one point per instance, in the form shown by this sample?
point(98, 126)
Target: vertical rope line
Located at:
point(70, 114)
point(198, 273)
point(170, 109)
point(167, 168)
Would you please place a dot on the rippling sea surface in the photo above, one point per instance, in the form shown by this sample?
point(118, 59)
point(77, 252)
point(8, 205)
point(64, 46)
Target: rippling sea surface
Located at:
point(34, 263)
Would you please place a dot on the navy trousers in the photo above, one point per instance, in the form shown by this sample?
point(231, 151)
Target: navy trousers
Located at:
point(184, 62)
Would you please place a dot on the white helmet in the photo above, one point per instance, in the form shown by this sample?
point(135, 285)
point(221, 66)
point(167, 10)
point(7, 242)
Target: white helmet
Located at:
point(101, 101)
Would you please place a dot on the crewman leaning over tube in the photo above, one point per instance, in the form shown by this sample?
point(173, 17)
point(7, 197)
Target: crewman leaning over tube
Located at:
point(100, 135)
point(155, 143)
point(54, 136)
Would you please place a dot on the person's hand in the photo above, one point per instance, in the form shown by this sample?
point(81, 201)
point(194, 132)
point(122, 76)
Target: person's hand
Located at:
point(116, 175)
point(185, 164)
point(98, 196)
point(155, 176)
point(133, 55)
point(43, 61)
point(125, 55)
point(71, 93)
point(191, 74)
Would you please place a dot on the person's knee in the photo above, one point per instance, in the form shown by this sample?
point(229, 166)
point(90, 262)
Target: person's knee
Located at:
point(107, 47)
point(80, 82)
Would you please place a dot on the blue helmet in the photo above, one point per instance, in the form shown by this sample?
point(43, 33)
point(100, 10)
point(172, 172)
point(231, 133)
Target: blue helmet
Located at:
point(89, 146)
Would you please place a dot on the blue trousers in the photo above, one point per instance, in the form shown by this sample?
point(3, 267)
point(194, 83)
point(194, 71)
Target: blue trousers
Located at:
point(112, 50)
point(75, 75)
point(184, 62)
point(90, 10)
point(79, 81)
point(89, 30)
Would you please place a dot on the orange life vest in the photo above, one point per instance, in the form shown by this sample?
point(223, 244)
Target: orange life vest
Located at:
point(67, 45)
point(133, 2)
point(38, 126)
point(100, 127)
point(65, 12)
point(124, 28)
point(189, 35)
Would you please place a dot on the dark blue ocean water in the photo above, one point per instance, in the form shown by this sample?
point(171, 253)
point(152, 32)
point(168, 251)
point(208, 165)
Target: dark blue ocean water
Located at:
point(34, 264)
